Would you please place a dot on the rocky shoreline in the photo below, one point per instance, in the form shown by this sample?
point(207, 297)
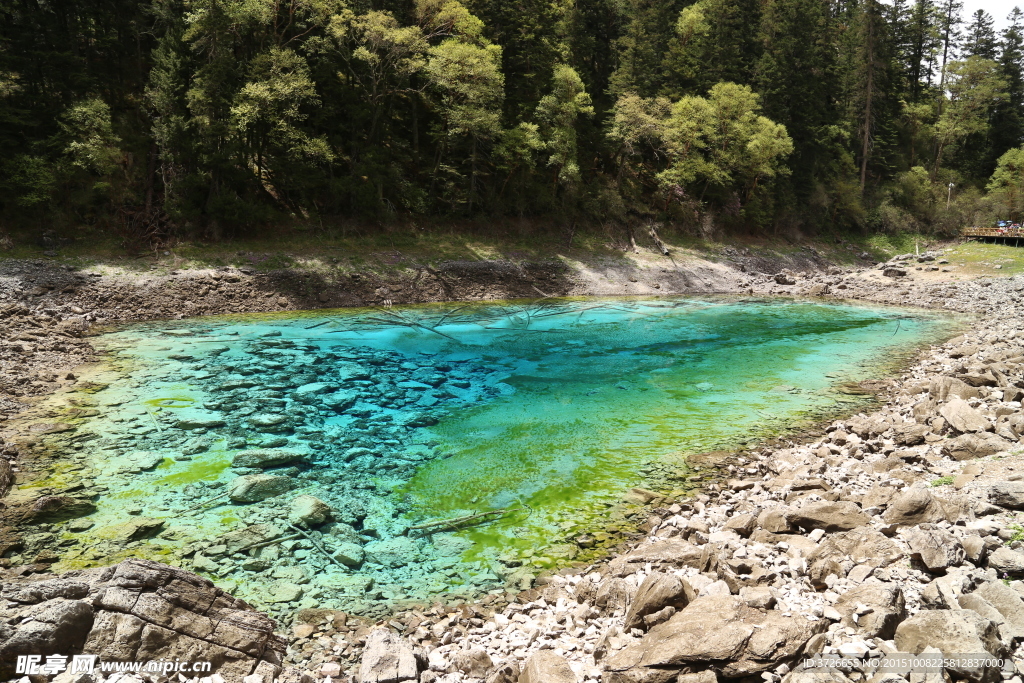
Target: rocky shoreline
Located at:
point(891, 532)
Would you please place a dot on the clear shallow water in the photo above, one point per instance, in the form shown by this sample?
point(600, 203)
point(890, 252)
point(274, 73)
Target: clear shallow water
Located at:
point(434, 412)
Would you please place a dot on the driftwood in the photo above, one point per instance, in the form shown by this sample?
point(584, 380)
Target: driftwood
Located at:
point(408, 322)
point(207, 502)
point(317, 546)
point(456, 522)
point(156, 422)
point(264, 544)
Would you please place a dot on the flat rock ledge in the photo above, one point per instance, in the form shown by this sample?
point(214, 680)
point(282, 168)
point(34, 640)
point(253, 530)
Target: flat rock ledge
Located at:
point(137, 610)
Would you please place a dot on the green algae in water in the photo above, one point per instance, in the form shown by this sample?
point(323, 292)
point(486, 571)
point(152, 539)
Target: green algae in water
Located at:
point(437, 411)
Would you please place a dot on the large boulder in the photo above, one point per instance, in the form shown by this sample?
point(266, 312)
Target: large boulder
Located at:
point(969, 446)
point(7, 477)
point(976, 603)
point(954, 632)
point(56, 625)
point(1007, 494)
point(938, 550)
point(963, 418)
point(943, 387)
point(1007, 561)
point(673, 551)
point(909, 433)
point(841, 515)
point(723, 629)
point(54, 509)
point(658, 592)
point(136, 610)
point(873, 609)
point(1007, 602)
point(252, 488)
point(914, 506)
point(387, 658)
point(829, 675)
point(545, 666)
point(862, 545)
point(474, 662)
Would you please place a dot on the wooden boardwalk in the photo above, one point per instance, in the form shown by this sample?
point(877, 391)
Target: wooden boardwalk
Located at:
point(1011, 236)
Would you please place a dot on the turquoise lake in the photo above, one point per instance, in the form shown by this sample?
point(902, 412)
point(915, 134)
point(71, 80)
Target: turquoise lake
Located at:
point(550, 410)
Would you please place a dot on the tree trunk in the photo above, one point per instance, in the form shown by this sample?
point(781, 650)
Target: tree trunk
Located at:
point(870, 47)
point(472, 176)
point(945, 53)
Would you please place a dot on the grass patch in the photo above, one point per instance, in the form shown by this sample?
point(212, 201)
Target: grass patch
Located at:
point(942, 481)
point(900, 243)
point(979, 258)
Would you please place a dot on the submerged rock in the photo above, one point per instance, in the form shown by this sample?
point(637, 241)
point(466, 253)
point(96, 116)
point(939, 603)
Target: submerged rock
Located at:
point(273, 424)
point(284, 591)
point(52, 509)
point(131, 530)
point(392, 552)
point(252, 488)
point(266, 457)
point(308, 510)
point(200, 423)
point(350, 554)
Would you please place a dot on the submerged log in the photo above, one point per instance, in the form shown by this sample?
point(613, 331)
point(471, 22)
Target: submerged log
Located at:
point(456, 522)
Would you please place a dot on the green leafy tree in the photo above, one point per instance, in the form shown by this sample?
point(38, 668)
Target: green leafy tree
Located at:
point(468, 82)
point(266, 117)
point(1007, 183)
point(560, 111)
point(1007, 128)
point(636, 130)
point(974, 87)
point(722, 143)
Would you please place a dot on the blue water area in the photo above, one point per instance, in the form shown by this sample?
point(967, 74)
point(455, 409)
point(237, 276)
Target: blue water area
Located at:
point(543, 413)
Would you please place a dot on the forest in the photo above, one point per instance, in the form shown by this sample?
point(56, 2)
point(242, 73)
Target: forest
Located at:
point(213, 118)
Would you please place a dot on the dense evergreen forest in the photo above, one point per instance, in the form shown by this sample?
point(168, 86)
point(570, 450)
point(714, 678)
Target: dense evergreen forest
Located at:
point(212, 117)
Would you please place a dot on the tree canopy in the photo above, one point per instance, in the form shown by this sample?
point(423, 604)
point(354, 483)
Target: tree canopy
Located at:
point(214, 116)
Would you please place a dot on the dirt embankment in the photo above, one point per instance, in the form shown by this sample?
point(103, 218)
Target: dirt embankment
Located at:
point(47, 307)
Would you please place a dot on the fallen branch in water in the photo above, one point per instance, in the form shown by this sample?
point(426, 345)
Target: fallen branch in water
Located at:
point(317, 546)
point(455, 522)
point(156, 422)
point(207, 502)
point(264, 544)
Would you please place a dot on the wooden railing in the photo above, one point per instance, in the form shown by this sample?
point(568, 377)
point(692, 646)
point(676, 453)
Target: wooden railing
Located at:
point(993, 232)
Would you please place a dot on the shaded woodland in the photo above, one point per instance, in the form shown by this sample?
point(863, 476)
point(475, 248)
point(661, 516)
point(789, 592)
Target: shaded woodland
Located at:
point(213, 117)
